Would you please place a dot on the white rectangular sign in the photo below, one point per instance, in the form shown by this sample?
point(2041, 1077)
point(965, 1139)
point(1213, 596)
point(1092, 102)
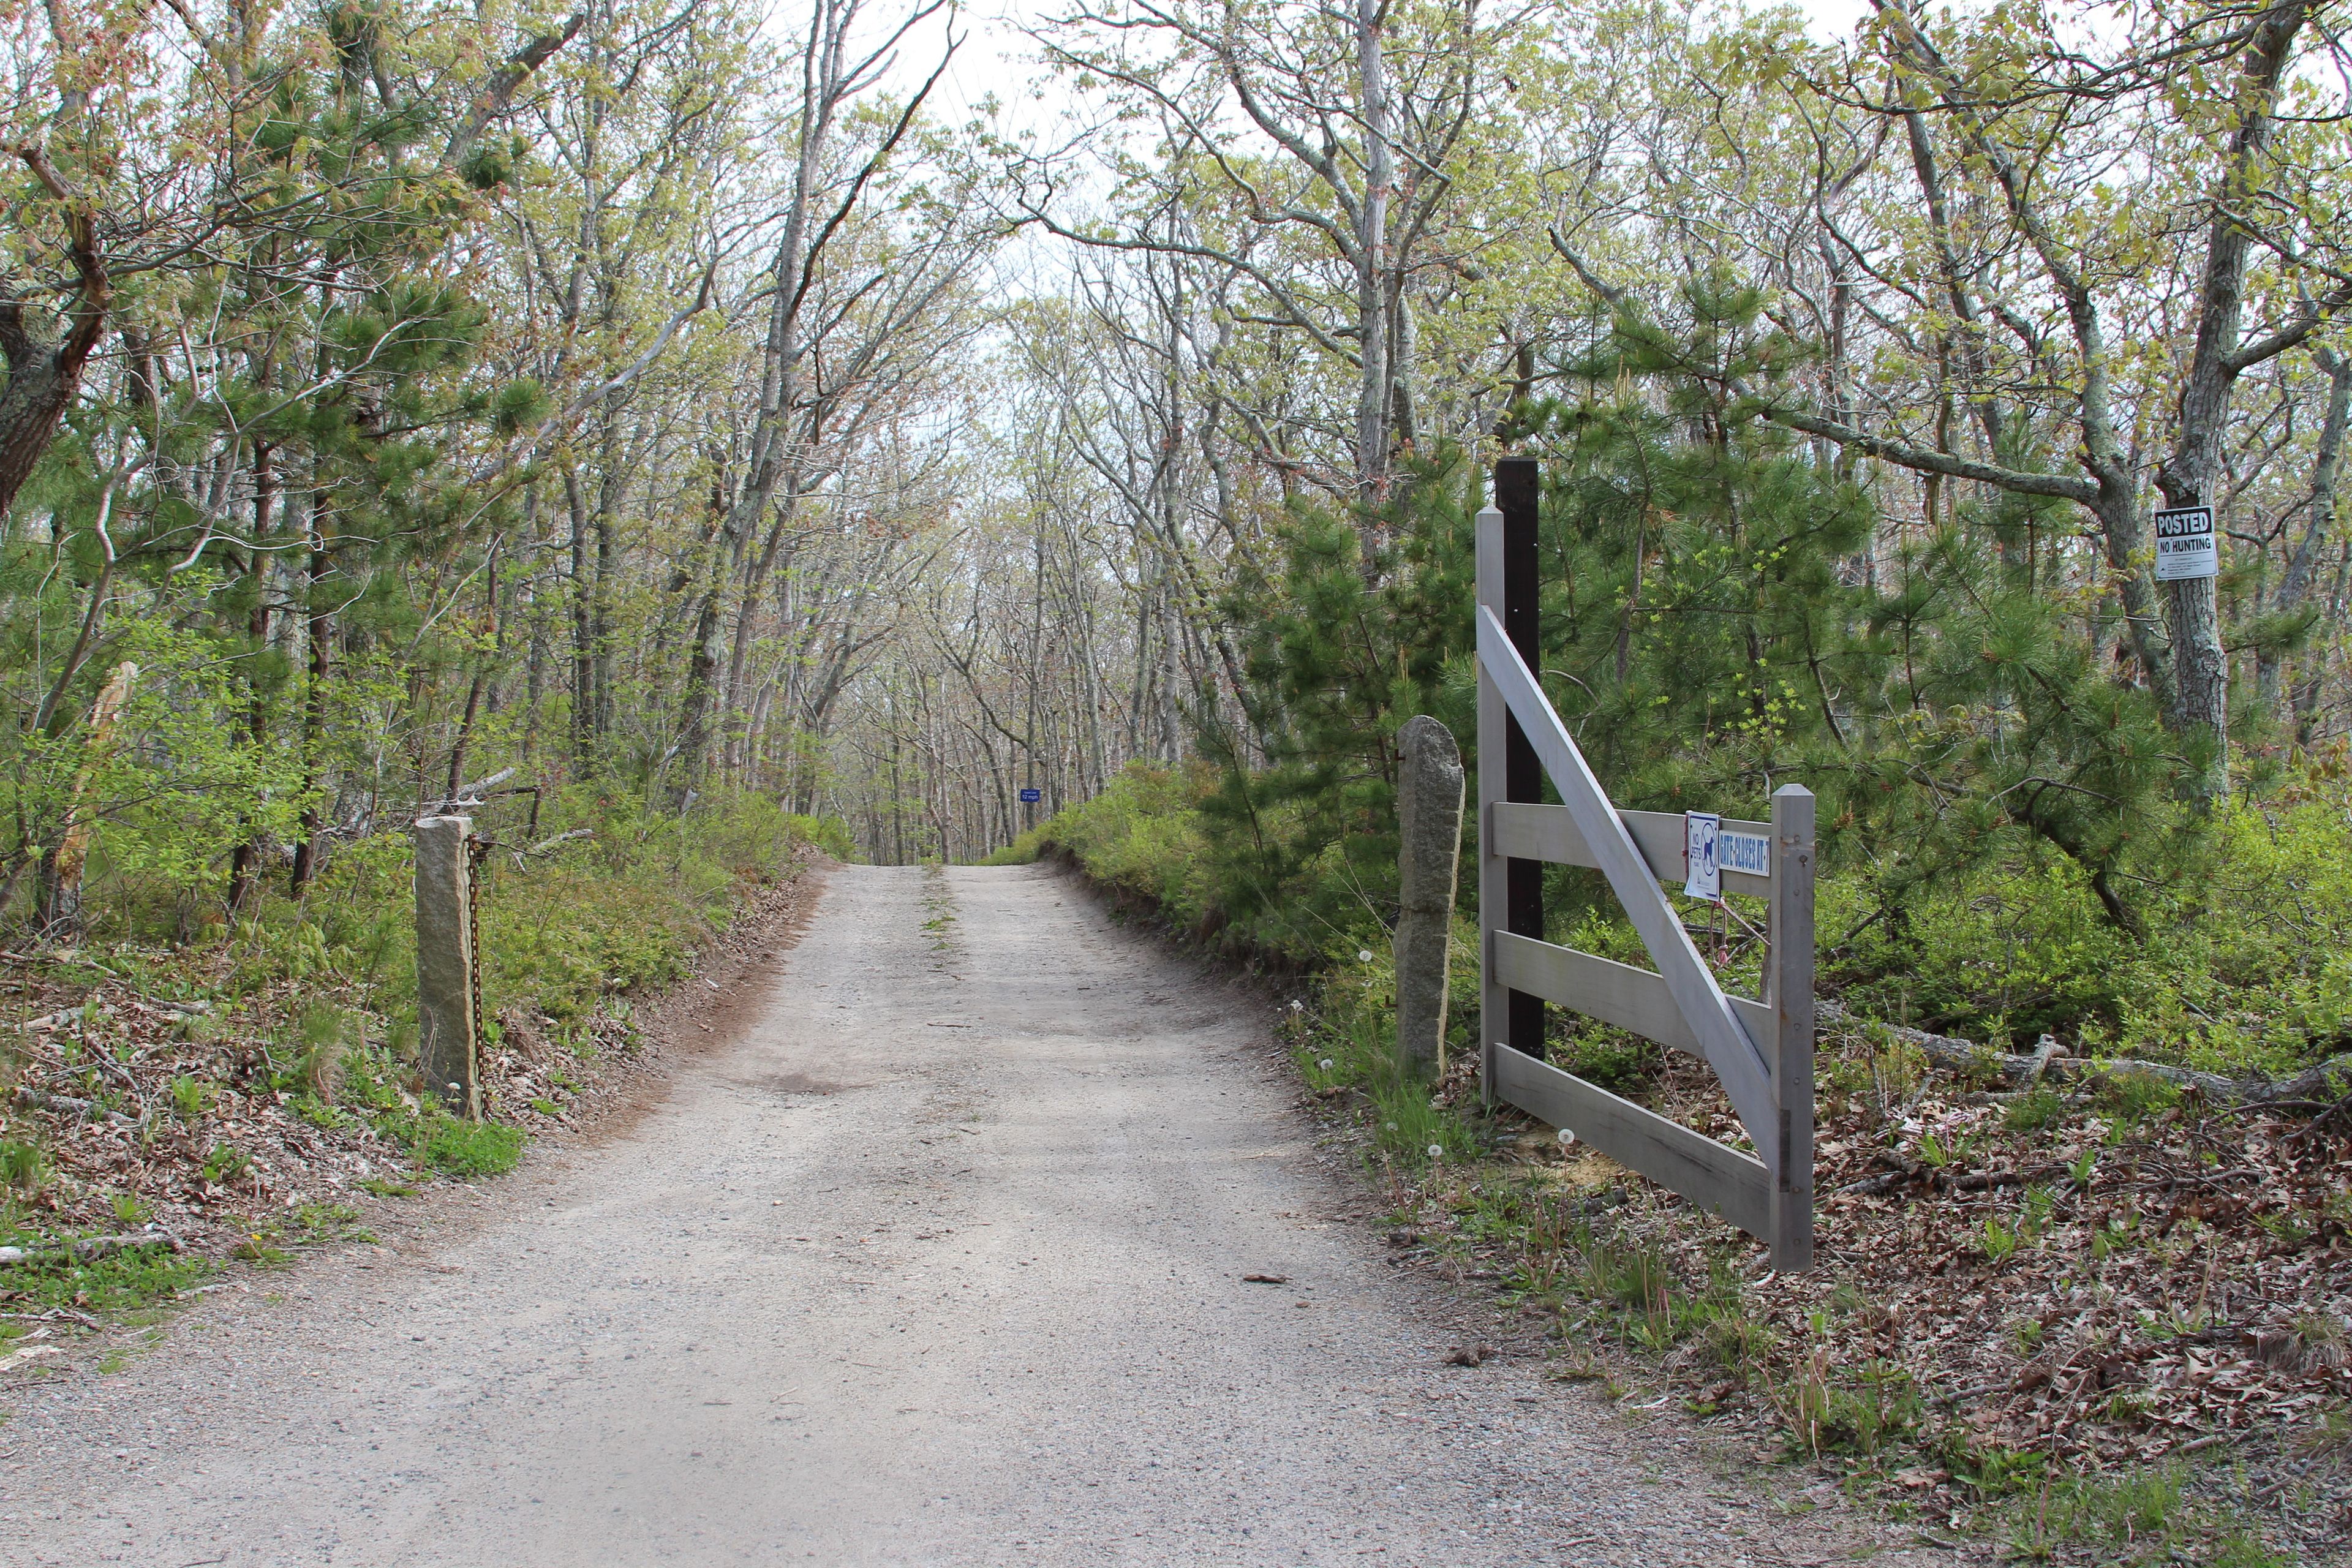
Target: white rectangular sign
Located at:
point(1701, 874)
point(2184, 544)
point(1748, 852)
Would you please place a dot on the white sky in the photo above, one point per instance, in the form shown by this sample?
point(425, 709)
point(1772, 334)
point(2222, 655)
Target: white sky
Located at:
point(996, 58)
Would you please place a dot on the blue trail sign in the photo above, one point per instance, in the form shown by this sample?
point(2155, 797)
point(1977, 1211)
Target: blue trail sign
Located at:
point(1031, 796)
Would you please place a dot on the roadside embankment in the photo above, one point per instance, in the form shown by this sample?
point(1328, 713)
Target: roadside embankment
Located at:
point(167, 1109)
point(2075, 1300)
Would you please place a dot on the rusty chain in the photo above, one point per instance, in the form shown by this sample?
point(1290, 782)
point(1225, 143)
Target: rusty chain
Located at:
point(477, 853)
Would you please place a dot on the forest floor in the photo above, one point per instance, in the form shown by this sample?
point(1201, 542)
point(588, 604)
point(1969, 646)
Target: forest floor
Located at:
point(982, 1231)
point(2071, 1337)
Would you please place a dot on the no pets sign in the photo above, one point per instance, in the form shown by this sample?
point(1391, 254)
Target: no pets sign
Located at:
point(2184, 544)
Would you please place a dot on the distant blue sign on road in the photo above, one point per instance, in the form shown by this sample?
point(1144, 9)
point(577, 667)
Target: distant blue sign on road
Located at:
point(1028, 795)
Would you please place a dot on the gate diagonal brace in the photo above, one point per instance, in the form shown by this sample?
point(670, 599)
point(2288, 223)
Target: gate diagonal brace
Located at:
point(1720, 1035)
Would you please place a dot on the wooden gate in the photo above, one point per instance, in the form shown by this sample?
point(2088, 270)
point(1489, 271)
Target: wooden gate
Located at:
point(1762, 1051)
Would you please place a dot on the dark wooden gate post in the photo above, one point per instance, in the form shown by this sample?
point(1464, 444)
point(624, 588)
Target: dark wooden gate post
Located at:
point(1509, 887)
point(1516, 485)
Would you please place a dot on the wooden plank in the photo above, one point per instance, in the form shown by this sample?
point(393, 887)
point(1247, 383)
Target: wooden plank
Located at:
point(1723, 1040)
point(1493, 888)
point(1549, 833)
point(1615, 992)
point(1789, 987)
point(1719, 1180)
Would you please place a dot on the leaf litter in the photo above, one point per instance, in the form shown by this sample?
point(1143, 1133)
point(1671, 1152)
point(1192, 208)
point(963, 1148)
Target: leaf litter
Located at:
point(2011, 1290)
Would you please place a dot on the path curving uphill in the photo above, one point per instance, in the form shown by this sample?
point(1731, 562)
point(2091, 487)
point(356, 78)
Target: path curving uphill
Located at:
point(940, 1261)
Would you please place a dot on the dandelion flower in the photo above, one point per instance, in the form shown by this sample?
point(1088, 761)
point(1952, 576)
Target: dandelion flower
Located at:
point(1437, 1150)
point(1325, 1063)
point(1566, 1138)
point(1363, 955)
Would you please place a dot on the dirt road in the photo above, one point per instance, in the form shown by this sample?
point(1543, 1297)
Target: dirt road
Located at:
point(941, 1262)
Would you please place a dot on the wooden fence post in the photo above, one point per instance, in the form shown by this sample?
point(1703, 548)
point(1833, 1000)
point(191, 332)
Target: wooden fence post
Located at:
point(1517, 483)
point(444, 962)
point(1494, 727)
point(1789, 992)
point(1429, 821)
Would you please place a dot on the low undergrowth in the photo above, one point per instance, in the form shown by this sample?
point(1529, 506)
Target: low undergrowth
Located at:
point(169, 1105)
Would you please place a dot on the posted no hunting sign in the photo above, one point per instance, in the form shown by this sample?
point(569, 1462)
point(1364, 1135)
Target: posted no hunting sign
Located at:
point(2184, 544)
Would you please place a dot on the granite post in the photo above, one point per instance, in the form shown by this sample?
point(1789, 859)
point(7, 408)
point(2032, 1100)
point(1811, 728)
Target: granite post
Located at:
point(1429, 814)
point(444, 963)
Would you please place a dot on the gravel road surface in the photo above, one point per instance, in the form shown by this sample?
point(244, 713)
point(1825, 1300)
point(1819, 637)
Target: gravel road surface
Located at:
point(938, 1261)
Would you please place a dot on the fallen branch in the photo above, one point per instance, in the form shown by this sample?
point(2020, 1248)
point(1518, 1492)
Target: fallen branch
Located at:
point(547, 846)
point(72, 1105)
point(88, 1248)
point(2019, 1069)
point(1950, 1052)
point(1938, 1178)
point(55, 1315)
point(185, 1009)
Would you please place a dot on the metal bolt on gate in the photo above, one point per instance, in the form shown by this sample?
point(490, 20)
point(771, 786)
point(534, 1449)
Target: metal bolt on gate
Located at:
point(1761, 1050)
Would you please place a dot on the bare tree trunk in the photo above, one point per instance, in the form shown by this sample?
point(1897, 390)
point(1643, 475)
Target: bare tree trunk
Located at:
point(318, 632)
point(2294, 587)
point(245, 859)
point(584, 757)
point(1372, 399)
point(483, 665)
point(61, 910)
point(2190, 476)
point(45, 371)
point(2307, 695)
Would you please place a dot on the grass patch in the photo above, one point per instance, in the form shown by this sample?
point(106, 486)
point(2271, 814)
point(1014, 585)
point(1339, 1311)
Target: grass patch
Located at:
point(377, 1186)
point(1345, 1045)
point(468, 1149)
point(2146, 1516)
point(939, 905)
point(115, 1283)
point(260, 1248)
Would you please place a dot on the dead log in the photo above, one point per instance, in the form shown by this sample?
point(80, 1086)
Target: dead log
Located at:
point(71, 1105)
point(88, 1248)
point(2325, 1083)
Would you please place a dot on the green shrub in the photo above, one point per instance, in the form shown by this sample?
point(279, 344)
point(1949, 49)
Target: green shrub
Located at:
point(1022, 851)
point(1142, 837)
point(1615, 1060)
point(2136, 1096)
point(2253, 971)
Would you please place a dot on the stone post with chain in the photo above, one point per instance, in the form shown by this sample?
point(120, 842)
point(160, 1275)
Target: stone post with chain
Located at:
point(446, 989)
point(1429, 819)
